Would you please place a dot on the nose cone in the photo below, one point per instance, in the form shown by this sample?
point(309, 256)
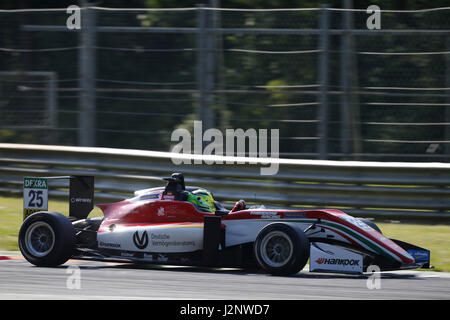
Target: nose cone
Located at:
point(407, 257)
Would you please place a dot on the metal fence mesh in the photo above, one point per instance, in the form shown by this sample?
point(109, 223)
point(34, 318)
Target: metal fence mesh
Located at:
point(334, 88)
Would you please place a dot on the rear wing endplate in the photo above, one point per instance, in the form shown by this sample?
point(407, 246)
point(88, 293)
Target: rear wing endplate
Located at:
point(81, 195)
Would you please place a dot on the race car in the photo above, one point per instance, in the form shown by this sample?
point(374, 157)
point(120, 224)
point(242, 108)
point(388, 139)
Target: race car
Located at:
point(183, 225)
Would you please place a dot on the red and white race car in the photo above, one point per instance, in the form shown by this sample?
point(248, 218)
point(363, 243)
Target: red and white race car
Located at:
point(159, 226)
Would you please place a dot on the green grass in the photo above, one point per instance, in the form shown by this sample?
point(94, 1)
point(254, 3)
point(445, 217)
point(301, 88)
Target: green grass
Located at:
point(436, 238)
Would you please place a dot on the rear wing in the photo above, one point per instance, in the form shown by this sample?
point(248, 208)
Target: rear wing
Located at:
point(81, 195)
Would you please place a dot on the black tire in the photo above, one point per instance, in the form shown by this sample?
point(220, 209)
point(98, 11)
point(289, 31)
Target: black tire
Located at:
point(281, 249)
point(371, 224)
point(47, 239)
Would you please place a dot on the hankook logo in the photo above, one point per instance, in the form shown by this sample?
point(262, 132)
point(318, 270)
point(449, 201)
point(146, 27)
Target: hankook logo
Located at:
point(140, 242)
point(343, 262)
point(320, 260)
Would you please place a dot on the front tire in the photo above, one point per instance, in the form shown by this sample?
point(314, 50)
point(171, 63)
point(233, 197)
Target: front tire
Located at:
point(281, 249)
point(47, 239)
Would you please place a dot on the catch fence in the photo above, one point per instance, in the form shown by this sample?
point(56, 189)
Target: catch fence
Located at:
point(128, 77)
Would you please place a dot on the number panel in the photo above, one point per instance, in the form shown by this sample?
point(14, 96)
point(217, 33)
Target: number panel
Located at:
point(35, 195)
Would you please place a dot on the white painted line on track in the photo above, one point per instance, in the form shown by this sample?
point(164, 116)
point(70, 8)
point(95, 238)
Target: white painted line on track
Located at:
point(415, 273)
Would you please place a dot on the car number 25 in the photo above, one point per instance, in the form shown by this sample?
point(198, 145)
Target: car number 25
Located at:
point(36, 200)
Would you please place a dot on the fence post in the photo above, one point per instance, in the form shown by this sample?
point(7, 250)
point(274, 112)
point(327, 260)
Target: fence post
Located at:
point(350, 136)
point(323, 81)
point(447, 108)
point(87, 71)
point(205, 68)
point(345, 87)
point(52, 103)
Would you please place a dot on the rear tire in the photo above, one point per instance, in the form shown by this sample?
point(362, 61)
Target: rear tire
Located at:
point(281, 249)
point(47, 239)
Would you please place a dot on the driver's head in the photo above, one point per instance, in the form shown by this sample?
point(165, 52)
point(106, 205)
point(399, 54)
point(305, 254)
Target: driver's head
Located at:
point(203, 199)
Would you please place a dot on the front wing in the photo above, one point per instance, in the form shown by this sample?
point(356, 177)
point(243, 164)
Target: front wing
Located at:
point(326, 257)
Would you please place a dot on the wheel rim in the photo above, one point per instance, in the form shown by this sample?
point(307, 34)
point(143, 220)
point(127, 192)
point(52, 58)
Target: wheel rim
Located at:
point(276, 249)
point(39, 239)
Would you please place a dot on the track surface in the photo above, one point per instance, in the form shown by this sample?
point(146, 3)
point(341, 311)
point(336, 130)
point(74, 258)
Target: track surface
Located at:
point(98, 280)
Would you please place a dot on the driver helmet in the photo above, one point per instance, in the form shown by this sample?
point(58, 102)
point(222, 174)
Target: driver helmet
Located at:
point(202, 199)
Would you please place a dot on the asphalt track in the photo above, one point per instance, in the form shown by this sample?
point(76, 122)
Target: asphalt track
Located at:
point(112, 281)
